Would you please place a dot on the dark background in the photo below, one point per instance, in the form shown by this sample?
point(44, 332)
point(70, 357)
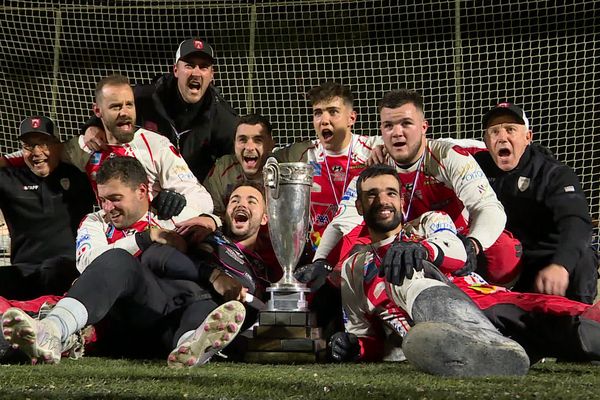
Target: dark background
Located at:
point(464, 56)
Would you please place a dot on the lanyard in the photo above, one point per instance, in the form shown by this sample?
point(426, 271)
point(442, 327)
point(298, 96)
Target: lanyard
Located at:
point(337, 201)
point(414, 187)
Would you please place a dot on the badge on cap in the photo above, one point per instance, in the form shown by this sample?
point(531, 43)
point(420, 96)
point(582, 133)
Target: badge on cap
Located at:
point(504, 105)
point(35, 123)
point(198, 44)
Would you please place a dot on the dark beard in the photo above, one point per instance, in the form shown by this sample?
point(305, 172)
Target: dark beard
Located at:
point(123, 137)
point(381, 226)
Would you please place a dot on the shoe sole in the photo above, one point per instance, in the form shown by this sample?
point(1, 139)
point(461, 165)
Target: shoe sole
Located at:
point(218, 330)
point(442, 349)
point(20, 330)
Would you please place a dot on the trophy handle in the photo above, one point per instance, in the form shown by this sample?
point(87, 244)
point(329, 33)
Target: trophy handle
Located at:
point(272, 176)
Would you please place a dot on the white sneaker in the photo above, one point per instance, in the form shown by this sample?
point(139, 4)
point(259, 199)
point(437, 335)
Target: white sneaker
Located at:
point(213, 335)
point(39, 340)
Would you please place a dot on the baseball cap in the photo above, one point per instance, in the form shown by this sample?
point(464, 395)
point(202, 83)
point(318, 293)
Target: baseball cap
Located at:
point(39, 124)
point(190, 46)
point(506, 108)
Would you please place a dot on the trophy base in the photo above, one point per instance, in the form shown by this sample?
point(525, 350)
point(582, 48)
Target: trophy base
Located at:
point(286, 337)
point(287, 297)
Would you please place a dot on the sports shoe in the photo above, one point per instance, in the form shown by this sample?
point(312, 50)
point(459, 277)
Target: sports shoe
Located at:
point(440, 348)
point(39, 340)
point(213, 335)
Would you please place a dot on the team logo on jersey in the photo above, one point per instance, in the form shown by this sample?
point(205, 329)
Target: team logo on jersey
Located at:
point(569, 189)
point(30, 187)
point(110, 232)
point(336, 168)
point(96, 158)
point(523, 183)
point(321, 219)
point(316, 168)
point(65, 183)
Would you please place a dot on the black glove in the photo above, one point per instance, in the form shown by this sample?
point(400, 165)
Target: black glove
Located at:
point(313, 274)
point(471, 262)
point(401, 260)
point(168, 204)
point(344, 346)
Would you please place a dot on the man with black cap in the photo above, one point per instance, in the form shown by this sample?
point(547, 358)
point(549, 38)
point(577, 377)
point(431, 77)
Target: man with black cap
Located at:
point(185, 107)
point(545, 206)
point(43, 203)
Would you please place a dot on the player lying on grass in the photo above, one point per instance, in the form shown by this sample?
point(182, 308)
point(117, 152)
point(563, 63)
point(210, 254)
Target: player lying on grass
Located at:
point(150, 313)
point(444, 332)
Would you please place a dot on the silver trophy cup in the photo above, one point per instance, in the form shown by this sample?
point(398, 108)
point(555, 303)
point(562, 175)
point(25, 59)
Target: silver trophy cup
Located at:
point(287, 191)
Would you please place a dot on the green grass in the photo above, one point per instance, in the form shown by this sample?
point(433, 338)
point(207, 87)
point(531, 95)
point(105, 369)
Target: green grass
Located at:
point(97, 378)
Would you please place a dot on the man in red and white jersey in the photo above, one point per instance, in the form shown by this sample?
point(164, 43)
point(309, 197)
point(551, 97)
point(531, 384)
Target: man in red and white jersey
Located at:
point(385, 293)
point(337, 155)
point(437, 175)
point(173, 187)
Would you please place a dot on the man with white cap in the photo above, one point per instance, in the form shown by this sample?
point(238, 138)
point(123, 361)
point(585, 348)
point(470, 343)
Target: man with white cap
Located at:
point(185, 107)
point(545, 206)
point(43, 202)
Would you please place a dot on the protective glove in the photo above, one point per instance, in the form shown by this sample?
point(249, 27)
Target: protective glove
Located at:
point(471, 262)
point(401, 260)
point(314, 274)
point(168, 204)
point(344, 347)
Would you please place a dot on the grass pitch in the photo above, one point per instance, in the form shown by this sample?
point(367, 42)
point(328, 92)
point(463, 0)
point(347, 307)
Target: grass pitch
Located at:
point(98, 378)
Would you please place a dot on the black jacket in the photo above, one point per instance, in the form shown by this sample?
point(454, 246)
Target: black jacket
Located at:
point(202, 132)
point(545, 207)
point(43, 214)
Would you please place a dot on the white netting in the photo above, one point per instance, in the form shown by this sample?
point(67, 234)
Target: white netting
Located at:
point(464, 56)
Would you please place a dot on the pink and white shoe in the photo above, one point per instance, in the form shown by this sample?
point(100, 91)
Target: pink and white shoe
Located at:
point(218, 330)
point(39, 340)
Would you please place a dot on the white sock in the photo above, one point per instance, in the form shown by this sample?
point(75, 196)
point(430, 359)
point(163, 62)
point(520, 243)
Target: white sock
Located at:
point(70, 315)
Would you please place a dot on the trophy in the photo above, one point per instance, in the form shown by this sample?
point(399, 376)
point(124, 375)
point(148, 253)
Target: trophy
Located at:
point(287, 192)
point(286, 330)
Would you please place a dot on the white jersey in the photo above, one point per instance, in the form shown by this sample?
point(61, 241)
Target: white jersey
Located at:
point(447, 178)
point(364, 295)
point(96, 235)
point(165, 168)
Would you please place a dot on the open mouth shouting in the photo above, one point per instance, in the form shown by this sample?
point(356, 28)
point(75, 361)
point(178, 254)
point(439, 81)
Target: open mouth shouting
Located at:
point(327, 135)
point(125, 124)
point(504, 153)
point(195, 85)
point(399, 145)
point(251, 161)
point(240, 217)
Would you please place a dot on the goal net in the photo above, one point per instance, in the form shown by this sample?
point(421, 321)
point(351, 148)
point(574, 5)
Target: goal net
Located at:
point(464, 56)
